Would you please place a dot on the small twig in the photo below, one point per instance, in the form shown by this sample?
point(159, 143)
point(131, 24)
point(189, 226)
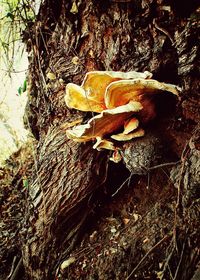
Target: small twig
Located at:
point(16, 271)
point(183, 158)
point(164, 164)
point(163, 31)
point(166, 265)
point(121, 186)
point(179, 263)
point(170, 272)
point(147, 254)
point(12, 267)
point(15, 72)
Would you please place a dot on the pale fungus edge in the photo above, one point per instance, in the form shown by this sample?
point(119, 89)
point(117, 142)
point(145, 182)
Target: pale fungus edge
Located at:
point(104, 123)
point(121, 92)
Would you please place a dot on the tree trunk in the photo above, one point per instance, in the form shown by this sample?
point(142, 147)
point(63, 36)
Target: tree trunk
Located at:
point(75, 200)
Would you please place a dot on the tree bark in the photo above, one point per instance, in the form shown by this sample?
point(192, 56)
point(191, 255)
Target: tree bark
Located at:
point(70, 181)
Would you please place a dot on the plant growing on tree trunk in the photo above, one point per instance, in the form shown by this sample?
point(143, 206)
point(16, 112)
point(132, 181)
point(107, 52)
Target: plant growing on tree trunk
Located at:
point(74, 185)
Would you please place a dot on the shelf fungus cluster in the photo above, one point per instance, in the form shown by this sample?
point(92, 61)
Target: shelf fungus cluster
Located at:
point(122, 101)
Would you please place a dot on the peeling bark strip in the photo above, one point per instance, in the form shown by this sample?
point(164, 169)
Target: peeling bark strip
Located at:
point(68, 39)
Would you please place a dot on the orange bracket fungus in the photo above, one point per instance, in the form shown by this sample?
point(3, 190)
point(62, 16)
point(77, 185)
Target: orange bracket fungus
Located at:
point(122, 101)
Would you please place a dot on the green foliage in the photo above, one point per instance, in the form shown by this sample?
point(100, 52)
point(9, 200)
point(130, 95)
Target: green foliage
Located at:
point(15, 16)
point(22, 88)
point(25, 183)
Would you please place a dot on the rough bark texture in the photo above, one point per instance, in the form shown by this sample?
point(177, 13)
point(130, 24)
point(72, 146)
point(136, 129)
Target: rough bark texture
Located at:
point(62, 199)
point(138, 231)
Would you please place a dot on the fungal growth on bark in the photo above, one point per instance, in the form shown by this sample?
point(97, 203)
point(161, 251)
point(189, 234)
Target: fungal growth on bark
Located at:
point(123, 103)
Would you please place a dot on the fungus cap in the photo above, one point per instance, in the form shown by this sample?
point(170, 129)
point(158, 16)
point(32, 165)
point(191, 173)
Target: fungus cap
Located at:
point(130, 125)
point(96, 82)
point(77, 98)
point(122, 99)
point(116, 156)
point(127, 137)
point(103, 144)
point(121, 92)
point(104, 123)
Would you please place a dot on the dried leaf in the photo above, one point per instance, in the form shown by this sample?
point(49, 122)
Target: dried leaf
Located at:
point(51, 76)
point(74, 8)
point(67, 263)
